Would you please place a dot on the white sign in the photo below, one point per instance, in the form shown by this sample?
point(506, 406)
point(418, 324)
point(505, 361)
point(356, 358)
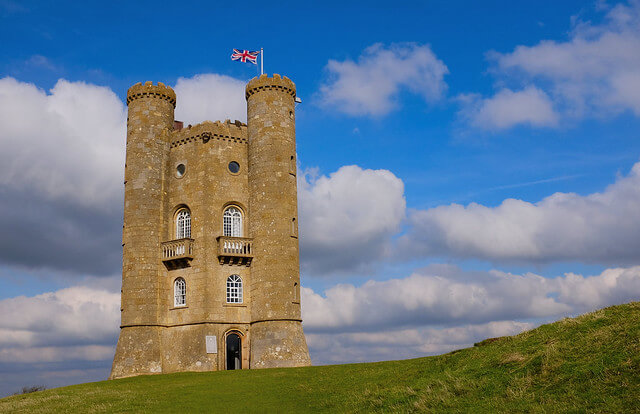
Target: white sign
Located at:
point(212, 344)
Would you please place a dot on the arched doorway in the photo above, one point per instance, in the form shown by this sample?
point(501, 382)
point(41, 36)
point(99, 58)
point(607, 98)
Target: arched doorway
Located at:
point(234, 351)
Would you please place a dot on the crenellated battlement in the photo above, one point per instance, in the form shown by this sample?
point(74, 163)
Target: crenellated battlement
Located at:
point(264, 82)
point(206, 131)
point(160, 91)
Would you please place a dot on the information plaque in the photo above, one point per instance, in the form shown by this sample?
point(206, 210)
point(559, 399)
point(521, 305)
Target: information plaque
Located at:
point(212, 344)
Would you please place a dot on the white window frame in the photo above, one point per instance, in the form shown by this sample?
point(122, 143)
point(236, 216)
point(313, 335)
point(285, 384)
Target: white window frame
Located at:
point(234, 289)
point(232, 222)
point(183, 224)
point(179, 292)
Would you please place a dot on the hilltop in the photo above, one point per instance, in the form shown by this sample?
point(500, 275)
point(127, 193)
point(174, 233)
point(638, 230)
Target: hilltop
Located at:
point(588, 363)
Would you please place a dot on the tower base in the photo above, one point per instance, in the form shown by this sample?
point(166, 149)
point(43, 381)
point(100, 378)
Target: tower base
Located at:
point(137, 352)
point(278, 344)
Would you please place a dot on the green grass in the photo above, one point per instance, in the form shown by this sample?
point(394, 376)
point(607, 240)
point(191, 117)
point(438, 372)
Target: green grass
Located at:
point(590, 363)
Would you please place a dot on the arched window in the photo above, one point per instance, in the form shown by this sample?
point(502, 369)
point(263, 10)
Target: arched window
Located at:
point(183, 224)
point(232, 222)
point(179, 292)
point(234, 289)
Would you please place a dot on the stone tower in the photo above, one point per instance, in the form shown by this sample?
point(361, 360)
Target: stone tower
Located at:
point(210, 274)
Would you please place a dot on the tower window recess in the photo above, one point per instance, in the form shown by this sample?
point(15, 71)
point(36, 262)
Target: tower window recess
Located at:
point(294, 228)
point(183, 224)
point(180, 170)
point(234, 289)
point(292, 166)
point(179, 292)
point(232, 222)
point(234, 167)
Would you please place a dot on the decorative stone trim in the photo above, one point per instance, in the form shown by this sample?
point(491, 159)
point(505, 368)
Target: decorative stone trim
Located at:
point(206, 131)
point(206, 137)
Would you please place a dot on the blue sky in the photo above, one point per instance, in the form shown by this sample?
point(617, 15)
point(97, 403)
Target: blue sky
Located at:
point(463, 145)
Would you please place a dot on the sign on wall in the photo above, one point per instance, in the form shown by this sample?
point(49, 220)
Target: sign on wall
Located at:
point(212, 344)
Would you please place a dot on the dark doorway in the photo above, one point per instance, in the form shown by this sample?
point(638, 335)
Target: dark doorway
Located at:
point(234, 352)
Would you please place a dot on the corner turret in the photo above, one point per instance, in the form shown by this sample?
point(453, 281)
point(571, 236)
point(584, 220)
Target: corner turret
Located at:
point(277, 338)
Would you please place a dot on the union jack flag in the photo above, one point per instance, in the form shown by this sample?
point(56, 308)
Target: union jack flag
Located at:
point(245, 56)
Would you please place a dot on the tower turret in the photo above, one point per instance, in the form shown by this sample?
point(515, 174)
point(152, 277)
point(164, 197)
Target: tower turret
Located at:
point(276, 329)
point(149, 124)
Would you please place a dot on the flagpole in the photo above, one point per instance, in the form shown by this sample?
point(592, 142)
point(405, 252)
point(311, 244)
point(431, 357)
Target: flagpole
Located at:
point(261, 61)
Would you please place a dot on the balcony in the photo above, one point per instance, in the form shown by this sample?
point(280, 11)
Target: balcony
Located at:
point(235, 250)
point(177, 253)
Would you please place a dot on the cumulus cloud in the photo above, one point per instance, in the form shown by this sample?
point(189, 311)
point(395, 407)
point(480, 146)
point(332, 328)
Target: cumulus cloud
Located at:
point(597, 228)
point(508, 108)
point(58, 338)
point(348, 217)
point(61, 187)
point(75, 316)
point(442, 308)
point(403, 343)
point(447, 296)
point(67, 144)
point(210, 97)
point(595, 72)
point(371, 85)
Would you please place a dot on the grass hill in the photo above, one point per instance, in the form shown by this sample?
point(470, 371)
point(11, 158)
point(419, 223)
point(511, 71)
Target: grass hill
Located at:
point(590, 363)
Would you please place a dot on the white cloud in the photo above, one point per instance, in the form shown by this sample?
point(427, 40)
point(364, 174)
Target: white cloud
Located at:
point(73, 316)
point(371, 85)
point(67, 144)
point(598, 228)
point(442, 308)
point(447, 296)
point(57, 354)
point(58, 338)
point(508, 108)
point(596, 72)
point(403, 343)
point(210, 97)
point(348, 218)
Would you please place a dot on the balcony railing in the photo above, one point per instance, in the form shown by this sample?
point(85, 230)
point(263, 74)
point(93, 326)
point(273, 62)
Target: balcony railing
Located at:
point(176, 253)
point(235, 250)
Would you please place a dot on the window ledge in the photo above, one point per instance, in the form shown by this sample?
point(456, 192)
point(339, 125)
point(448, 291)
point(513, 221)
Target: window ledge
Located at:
point(235, 305)
point(178, 307)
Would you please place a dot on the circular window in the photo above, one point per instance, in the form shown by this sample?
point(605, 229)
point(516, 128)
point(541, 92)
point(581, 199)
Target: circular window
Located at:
point(180, 170)
point(234, 167)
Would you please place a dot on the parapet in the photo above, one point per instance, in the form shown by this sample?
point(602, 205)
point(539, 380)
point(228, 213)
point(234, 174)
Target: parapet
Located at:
point(264, 82)
point(160, 91)
point(206, 131)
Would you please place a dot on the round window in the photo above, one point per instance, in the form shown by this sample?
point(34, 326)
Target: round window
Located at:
point(180, 170)
point(234, 167)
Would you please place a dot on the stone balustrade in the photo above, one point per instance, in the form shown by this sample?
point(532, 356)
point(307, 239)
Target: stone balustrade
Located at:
point(179, 250)
point(235, 250)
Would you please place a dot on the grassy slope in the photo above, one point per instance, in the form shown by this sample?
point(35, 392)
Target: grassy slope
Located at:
point(588, 363)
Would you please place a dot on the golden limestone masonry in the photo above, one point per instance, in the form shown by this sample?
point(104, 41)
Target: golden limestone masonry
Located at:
point(210, 266)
